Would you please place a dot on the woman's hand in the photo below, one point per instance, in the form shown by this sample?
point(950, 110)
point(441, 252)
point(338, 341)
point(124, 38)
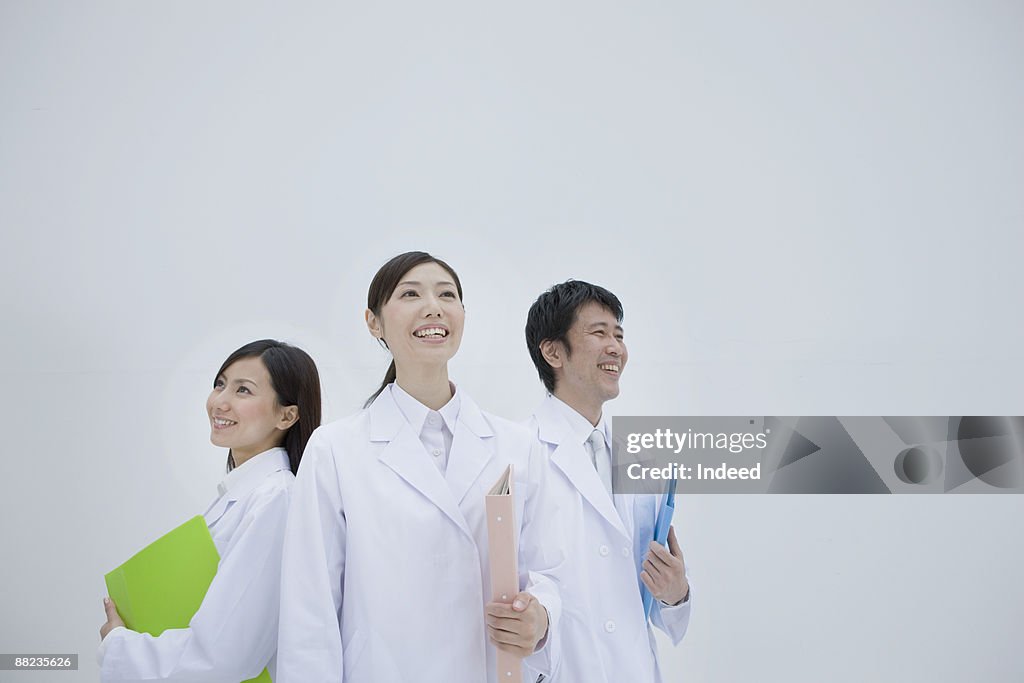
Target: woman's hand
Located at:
point(113, 618)
point(517, 628)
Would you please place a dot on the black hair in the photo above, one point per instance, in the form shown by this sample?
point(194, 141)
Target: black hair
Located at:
point(295, 381)
point(554, 312)
point(383, 286)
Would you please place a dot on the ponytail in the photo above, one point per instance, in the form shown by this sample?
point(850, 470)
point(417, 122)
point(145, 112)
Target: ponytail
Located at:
point(389, 377)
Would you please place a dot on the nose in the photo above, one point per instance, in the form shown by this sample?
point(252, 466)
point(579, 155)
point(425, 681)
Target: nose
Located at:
point(432, 306)
point(220, 400)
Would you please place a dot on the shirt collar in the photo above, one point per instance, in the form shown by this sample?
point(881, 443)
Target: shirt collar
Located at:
point(579, 426)
point(244, 478)
point(416, 413)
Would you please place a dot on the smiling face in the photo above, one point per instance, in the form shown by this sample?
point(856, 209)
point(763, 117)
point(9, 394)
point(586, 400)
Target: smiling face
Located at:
point(422, 321)
point(244, 412)
point(587, 371)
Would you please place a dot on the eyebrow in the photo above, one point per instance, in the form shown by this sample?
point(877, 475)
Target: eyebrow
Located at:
point(442, 283)
point(240, 380)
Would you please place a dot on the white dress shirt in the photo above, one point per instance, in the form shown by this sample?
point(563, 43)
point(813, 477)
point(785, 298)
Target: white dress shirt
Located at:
point(233, 634)
point(434, 427)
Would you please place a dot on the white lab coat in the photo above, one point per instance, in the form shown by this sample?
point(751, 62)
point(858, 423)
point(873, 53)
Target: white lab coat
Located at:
point(233, 634)
point(603, 635)
point(385, 569)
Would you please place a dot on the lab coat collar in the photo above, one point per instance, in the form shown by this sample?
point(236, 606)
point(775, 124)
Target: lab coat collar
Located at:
point(387, 419)
point(239, 482)
point(468, 457)
point(579, 426)
point(416, 413)
point(555, 427)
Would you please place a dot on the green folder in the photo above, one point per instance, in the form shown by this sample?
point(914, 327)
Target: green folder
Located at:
point(163, 584)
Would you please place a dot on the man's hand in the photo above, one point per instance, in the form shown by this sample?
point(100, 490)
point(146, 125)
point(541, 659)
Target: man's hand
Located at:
point(113, 618)
point(664, 572)
point(517, 628)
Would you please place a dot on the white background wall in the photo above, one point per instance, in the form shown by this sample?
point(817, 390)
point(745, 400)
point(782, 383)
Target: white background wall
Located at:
point(806, 208)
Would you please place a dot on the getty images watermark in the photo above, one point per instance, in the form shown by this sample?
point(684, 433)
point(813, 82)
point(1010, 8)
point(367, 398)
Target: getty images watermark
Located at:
point(743, 454)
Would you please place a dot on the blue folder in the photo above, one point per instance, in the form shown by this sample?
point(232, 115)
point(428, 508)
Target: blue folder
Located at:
point(661, 525)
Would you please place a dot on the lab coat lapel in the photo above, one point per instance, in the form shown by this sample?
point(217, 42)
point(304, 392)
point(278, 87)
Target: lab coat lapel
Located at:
point(217, 509)
point(404, 453)
point(574, 461)
point(472, 448)
point(244, 480)
point(626, 506)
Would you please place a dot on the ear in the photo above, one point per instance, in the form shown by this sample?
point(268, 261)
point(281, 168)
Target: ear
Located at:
point(552, 352)
point(289, 416)
point(373, 324)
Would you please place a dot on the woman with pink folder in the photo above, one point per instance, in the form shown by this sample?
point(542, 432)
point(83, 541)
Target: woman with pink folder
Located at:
point(264, 405)
point(385, 573)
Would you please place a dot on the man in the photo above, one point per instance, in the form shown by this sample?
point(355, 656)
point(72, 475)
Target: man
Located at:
point(574, 334)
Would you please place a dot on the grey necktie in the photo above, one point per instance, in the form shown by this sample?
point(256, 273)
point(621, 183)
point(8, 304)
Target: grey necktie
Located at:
point(601, 458)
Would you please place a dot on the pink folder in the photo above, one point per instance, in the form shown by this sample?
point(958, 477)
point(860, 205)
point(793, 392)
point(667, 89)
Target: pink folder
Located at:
point(503, 551)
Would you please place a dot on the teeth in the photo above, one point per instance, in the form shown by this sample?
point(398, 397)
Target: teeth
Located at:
point(432, 332)
point(220, 422)
point(609, 366)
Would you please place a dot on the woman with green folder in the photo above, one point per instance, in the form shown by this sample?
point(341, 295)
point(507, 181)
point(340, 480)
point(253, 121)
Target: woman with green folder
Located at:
point(264, 405)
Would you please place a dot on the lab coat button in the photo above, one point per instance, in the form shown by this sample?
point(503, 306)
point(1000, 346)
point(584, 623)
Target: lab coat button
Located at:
point(625, 552)
point(603, 550)
point(437, 451)
point(609, 626)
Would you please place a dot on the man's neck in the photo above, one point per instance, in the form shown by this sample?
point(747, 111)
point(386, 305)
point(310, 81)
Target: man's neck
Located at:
point(592, 412)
